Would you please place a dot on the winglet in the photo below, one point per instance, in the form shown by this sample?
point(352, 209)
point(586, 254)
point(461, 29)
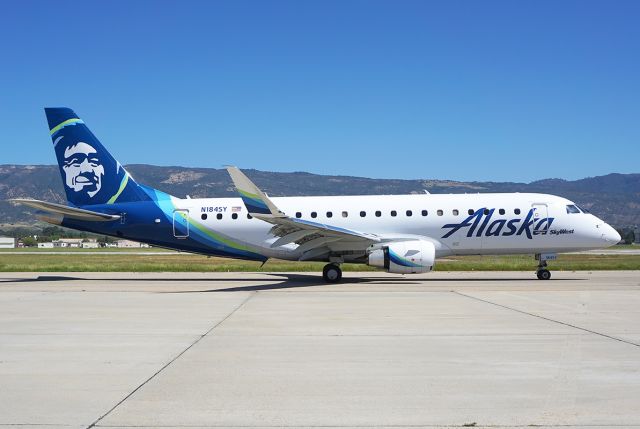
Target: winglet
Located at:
point(255, 200)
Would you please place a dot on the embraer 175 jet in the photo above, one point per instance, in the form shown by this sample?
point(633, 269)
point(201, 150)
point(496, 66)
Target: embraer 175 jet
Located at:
point(398, 233)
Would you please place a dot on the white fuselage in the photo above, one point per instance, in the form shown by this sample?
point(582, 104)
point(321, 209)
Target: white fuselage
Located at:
point(457, 224)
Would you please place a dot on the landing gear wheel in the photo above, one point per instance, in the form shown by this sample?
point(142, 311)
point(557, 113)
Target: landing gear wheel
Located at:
point(332, 273)
point(544, 274)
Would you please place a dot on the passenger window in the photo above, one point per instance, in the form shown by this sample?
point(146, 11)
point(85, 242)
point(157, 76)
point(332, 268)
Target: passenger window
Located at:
point(425, 213)
point(329, 214)
point(517, 211)
point(203, 216)
point(394, 213)
point(572, 209)
point(440, 212)
point(219, 216)
point(470, 211)
point(455, 212)
point(501, 211)
point(363, 214)
point(234, 216)
point(378, 213)
point(486, 212)
point(298, 215)
point(314, 215)
point(345, 214)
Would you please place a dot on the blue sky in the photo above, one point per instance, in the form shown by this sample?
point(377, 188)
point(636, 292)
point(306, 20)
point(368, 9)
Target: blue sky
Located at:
point(464, 90)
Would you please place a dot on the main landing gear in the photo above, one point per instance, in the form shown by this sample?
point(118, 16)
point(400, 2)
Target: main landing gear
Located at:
point(331, 273)
point(542, 272)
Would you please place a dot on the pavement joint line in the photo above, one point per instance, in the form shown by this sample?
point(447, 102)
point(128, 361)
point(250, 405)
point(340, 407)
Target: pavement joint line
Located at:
point(40, 424)
point(548, 319)
point(234, 335)
point(238, 307)
point(463, 425)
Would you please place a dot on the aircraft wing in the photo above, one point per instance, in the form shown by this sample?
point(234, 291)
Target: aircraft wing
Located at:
point(66, 211)
point(312, 237)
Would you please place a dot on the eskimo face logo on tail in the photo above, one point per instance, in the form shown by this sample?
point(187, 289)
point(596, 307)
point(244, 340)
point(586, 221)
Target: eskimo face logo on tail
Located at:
point(83, 169)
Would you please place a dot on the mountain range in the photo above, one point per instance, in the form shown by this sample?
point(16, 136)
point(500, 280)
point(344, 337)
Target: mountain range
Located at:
point(613, 197)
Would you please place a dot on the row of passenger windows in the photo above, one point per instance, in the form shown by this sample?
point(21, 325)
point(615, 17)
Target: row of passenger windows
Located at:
point(377, 213)
point(408, 213)
point(204, 216)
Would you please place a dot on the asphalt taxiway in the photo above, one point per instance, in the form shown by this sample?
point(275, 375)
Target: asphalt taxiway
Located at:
point(286, 350)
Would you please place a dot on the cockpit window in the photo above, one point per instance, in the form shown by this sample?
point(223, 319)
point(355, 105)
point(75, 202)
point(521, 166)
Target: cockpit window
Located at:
point(572, 209)
point(583, 210)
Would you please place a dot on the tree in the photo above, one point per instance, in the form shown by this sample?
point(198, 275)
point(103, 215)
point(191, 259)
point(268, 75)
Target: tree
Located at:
point(105, 239)
point(627, 234)
point(29, 241)
point(50, 233)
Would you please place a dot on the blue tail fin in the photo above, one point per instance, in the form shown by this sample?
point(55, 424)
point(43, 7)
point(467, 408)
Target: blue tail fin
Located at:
point(89, 173)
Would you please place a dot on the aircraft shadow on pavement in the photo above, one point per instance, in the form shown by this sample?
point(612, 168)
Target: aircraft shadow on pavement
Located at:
point(279, 281)
point(41, 279)
point(291, 281)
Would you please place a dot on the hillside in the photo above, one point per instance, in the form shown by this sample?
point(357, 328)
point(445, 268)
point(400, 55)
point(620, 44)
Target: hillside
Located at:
point(614, 197)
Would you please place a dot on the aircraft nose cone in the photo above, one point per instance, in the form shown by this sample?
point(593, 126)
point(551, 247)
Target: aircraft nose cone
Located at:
point(610, 235)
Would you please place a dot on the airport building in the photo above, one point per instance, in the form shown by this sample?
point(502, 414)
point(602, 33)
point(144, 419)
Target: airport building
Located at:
point(130, 243)
point(7, 242)
point(68, 242)
point(90, 243)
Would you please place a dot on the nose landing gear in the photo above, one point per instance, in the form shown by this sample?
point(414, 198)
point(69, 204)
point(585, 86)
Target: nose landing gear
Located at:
point(542, 272)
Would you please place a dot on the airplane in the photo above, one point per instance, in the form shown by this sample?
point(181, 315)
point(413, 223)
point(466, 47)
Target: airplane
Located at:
point(402, 234)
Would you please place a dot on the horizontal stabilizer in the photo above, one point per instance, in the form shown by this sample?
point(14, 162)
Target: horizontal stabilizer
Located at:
point(70, 212)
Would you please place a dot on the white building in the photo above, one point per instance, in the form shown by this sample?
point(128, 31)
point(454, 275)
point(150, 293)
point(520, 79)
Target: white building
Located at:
point(68, 242)
point(47, 245)
point(130, 243)
point(7, 242)
point(85, 243)
point(90, 243)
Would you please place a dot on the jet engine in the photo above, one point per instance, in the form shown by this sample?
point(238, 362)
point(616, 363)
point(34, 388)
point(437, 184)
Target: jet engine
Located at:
point(404, 257)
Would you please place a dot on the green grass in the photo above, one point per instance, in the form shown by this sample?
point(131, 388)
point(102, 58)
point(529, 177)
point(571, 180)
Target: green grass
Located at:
point(76, 249)
point(121, 261)
point(569, 262)
point(634, 246)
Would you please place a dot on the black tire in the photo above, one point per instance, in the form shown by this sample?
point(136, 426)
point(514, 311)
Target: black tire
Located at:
point(544, 274)
point(331, 273)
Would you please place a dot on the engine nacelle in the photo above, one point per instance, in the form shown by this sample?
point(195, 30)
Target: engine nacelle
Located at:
point(404, 257)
